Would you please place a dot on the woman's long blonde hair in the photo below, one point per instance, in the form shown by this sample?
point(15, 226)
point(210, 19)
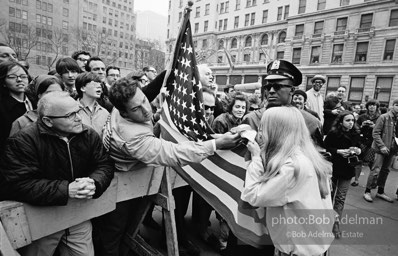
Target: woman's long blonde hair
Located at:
point(283, 133)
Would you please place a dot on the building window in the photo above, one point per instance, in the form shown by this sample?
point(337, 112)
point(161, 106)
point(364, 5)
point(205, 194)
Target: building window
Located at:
point(219, 25)
point(237, 6)
point(299, 30)
point(341, 24)
point(180, 5)
point(366, 20)
point(234, 43)
point(315, 52)
point(195, 43)
point(179, 16)
point(196, 28)
point(282, 37)
point(248, 41)
point(389, 49)
point(236, 22)
point(286, 14)
point(265, 16)
point(197, 11)
point(247, 17)
point(385, 84)
point(253, 18)
point(302, 5)
point(362, 52)
point(318, 27)
point(332, 84)
point(227, 6)
point(261, 57)
point(207, 9)
point(296, 55)
point(204, 43)
point(344, 2)
point(356, 89)
point(206, 26)
point(221, 44)
point(222, 8)
point(393, 18)
point(11, 12)
point(219, 59)
point(246, 57)
point(279, 15)
point(321, 5)
point(337, 54)
point(65, 12)
point(264, 39)
point(169, 4)
point(24, 15)
point(225, 24)
point(65, 25)
point(280, 55)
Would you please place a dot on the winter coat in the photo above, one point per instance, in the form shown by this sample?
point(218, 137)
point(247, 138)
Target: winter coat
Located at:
point(341, 140)
point(38, 165)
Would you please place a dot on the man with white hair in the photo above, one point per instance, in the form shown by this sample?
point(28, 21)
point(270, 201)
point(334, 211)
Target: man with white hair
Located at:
point(206, 78)
point(52, 161)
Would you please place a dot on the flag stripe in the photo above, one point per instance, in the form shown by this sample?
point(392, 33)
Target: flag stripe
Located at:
point(220, 178)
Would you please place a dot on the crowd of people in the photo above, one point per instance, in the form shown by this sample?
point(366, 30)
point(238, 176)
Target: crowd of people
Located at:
point(65, 133)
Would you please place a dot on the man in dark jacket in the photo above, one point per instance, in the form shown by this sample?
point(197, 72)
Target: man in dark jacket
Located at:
point(48, 163)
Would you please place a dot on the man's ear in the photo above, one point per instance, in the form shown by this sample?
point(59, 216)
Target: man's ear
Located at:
point(47, 121)
point(123, 113)
point(83, 88)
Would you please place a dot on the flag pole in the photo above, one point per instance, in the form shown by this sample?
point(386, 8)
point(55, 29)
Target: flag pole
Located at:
point(187, 12)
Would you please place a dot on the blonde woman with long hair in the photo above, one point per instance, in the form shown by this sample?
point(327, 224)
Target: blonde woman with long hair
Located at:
point(289, 177)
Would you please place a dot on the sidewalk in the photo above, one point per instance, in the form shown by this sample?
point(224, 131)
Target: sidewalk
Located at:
point(378, 240)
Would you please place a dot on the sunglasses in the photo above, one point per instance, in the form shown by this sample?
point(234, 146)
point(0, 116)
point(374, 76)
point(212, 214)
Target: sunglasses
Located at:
point(276, 87)
point(251, 109)
point(209, 107)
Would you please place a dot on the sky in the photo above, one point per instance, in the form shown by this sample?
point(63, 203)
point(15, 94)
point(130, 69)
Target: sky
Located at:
point(158, 6)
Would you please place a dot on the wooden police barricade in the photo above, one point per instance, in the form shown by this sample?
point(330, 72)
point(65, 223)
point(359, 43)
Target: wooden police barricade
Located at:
point(23, 223)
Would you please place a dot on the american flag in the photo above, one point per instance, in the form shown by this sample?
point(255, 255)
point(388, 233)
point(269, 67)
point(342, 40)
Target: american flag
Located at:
point(183, 90)
point(220, 178)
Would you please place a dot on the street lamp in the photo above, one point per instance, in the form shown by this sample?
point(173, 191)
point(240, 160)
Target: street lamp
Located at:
point(377, 91)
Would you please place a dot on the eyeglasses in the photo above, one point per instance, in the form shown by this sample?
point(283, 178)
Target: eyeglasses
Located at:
point(82, 59)
point(276, 87)
point(318, 82)
point(251, 108)
point(16, 77)
point(114, 75)
point(207, 107)
point(70, 116)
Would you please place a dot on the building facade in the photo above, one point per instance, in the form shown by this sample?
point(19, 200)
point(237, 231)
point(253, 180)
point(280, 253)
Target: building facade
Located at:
point(351, 42)
point(42, 31)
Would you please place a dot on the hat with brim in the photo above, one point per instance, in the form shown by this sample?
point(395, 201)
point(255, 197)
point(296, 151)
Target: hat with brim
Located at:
point(318, 77)
point(282, 69)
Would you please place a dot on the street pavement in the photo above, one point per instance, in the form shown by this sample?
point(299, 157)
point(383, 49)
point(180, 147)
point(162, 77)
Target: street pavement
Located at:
point(370, 229)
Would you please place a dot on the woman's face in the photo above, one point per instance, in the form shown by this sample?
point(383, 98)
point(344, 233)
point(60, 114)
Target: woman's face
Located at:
point(52, 88)
point(348, 122)
point(16, 80)
point(239, 108)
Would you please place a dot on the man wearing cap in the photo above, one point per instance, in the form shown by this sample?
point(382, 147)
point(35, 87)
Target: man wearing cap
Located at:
point(314, 97)
point(278, 88)
point(384, 133)
point(299, 101)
